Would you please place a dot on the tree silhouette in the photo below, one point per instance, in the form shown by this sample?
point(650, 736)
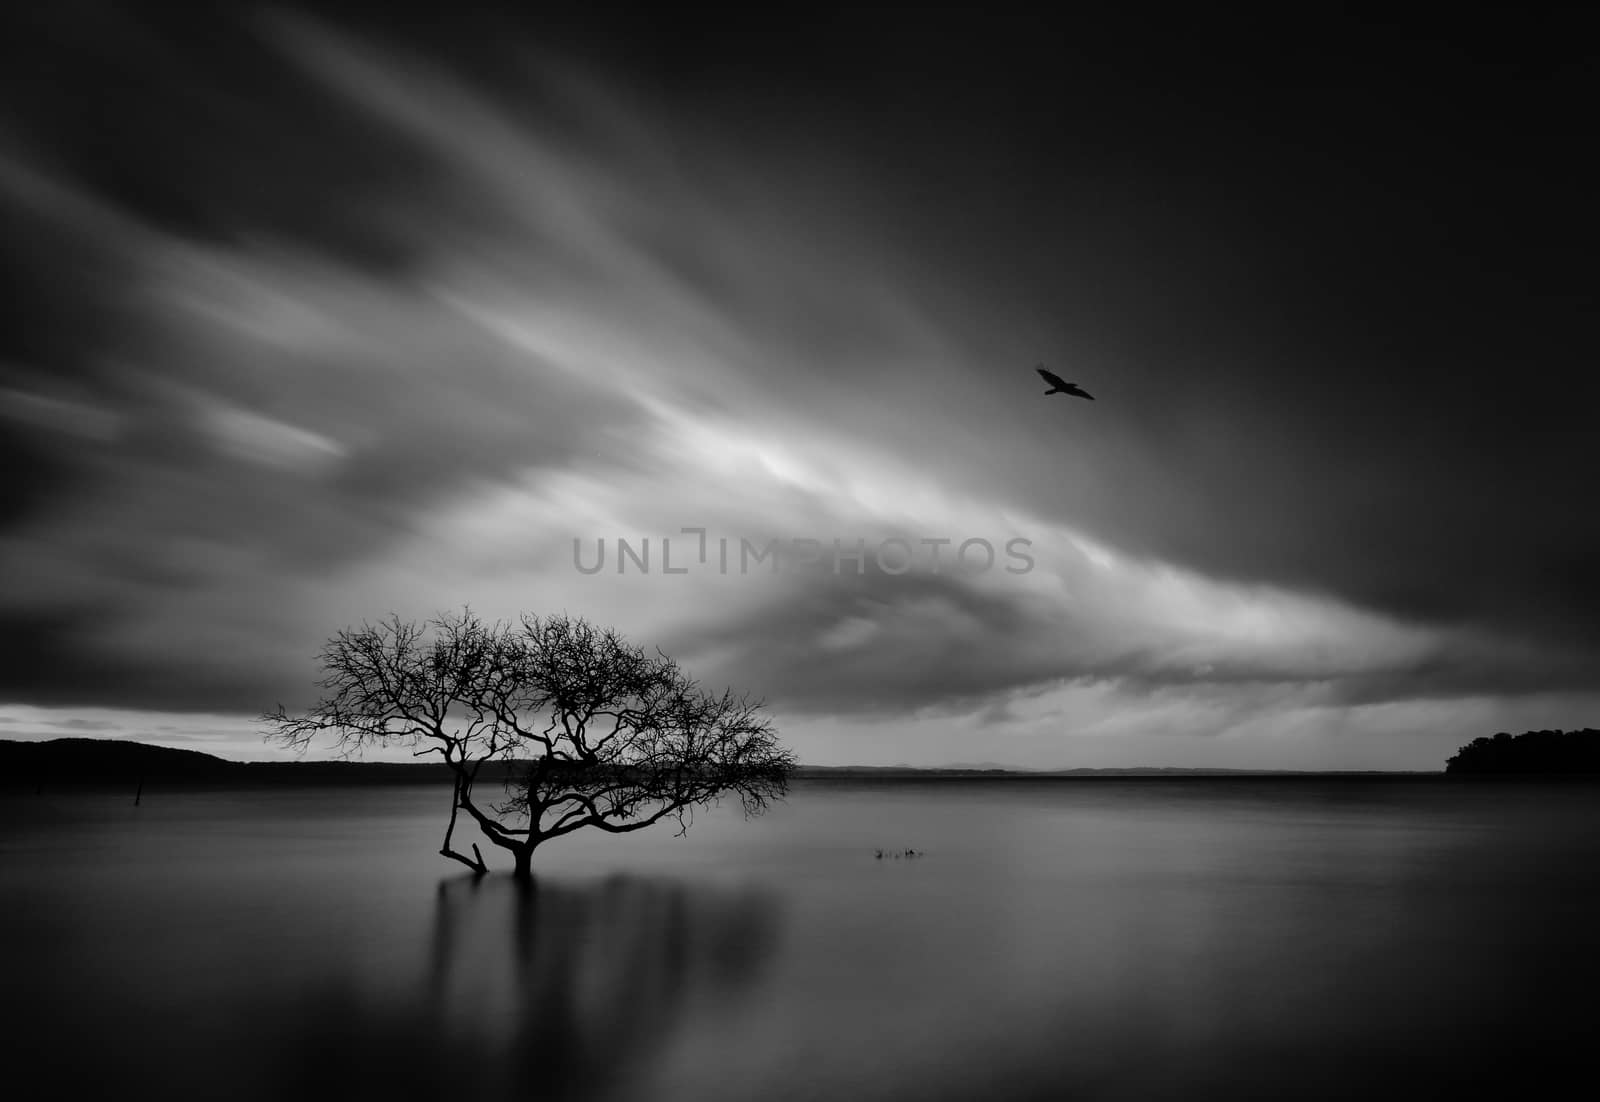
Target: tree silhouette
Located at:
point(582, 728)
point(1549, 751)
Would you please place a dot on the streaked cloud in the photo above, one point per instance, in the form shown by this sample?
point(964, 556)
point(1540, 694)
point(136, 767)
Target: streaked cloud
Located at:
point(467, 318)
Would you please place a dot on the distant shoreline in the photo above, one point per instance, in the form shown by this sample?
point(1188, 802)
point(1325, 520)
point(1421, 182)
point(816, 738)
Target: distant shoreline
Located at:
point(76, 762)
point(116, 763)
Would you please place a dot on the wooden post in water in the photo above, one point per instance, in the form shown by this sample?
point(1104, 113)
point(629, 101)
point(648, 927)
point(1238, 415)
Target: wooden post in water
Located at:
point(139, 795)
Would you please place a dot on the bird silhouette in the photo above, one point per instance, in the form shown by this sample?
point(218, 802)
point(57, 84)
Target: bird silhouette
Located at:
point(1060, 386)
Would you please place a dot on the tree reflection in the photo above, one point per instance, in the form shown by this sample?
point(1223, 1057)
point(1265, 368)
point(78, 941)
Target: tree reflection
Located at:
point(542, 990)
point(575, 990)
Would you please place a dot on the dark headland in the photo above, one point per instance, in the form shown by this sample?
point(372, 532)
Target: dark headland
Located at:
point(1554, 753)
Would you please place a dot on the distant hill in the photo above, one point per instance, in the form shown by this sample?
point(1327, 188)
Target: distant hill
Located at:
point(1549, 752)
point(84, 761)
point(88, 759)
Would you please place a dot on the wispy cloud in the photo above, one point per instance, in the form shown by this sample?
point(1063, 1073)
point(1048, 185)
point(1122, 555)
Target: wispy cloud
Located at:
point(464, 320)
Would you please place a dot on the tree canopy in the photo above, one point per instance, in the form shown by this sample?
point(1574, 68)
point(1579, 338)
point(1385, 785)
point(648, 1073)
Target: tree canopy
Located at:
point(580, 727)
point(1530, 752)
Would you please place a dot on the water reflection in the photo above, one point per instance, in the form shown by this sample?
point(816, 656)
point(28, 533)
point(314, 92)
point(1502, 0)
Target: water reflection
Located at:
point(1094, 941)
point(575, 990)
point(544, 990)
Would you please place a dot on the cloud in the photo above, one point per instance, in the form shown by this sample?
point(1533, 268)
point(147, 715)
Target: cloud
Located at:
point(341, 322)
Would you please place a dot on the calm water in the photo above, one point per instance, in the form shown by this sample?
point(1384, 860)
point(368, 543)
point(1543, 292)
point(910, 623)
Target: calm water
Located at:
point(1098, 939)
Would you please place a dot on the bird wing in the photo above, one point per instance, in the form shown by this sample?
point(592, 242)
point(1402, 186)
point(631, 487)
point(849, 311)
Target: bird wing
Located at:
point(1052, 378)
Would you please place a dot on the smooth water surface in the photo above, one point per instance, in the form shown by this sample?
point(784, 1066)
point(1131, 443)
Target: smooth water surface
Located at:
point(1155, 938)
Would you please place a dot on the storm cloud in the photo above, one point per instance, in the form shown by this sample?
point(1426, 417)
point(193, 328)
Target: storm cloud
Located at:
point(318, 317)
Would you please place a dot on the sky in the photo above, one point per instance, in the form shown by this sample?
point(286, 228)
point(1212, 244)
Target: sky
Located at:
point(319, 313)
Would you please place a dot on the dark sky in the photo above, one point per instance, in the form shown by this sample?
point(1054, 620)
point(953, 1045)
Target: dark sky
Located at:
point(316, 313)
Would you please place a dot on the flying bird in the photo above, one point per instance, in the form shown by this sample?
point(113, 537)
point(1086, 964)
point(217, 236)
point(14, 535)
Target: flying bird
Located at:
point(1059, 386)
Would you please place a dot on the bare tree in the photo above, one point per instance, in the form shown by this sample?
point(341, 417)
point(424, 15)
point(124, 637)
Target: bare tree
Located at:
point(586, 729)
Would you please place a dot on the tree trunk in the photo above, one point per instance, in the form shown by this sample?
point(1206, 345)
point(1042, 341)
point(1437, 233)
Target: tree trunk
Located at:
point(524, 866)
